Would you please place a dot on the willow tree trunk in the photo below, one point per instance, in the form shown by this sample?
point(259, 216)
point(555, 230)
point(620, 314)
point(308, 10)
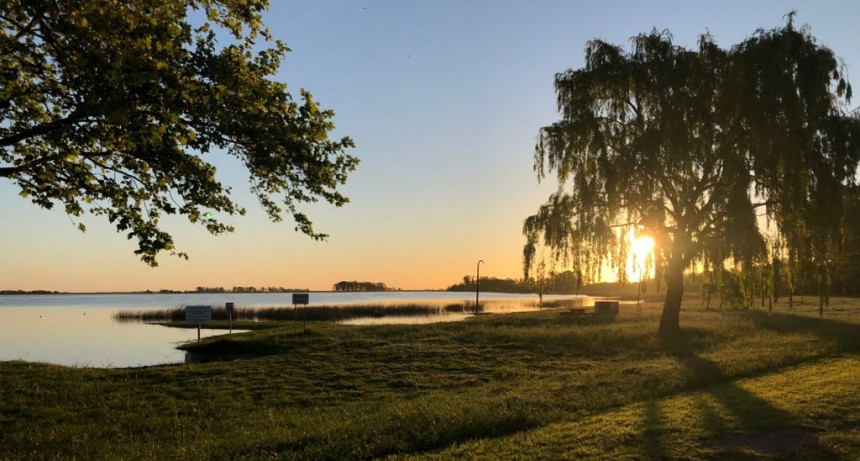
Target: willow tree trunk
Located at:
point(670, 320)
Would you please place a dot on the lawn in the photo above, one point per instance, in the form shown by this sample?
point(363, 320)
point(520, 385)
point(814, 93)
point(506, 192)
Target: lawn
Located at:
point(752, 384)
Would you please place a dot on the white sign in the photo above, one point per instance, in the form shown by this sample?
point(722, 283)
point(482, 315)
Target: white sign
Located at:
point(198, 315)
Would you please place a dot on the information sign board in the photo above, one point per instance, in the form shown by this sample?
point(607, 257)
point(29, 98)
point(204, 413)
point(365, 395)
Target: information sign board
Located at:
point(198, 315)
point(301, 298)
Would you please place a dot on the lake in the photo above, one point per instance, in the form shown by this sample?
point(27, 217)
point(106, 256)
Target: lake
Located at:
point(79, 329)
point(158, 300)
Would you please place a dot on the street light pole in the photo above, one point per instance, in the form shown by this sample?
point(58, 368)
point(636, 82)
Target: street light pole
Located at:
point(478, 285)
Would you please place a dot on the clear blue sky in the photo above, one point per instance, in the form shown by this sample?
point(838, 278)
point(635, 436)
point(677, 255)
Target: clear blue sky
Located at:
point(444, 99)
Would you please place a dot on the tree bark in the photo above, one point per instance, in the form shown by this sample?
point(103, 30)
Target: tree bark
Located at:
point(670, 320)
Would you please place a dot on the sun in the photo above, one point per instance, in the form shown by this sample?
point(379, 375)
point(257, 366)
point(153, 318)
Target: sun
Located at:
point(640, 249)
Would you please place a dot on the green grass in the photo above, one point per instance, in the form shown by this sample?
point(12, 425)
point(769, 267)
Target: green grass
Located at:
point(794, 414)
point(562, 386)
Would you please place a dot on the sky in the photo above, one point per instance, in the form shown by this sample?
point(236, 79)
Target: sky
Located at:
point(444, 100)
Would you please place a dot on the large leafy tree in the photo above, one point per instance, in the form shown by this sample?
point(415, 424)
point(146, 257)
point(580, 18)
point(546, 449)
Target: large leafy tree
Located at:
point(694, 148)
point(114, 108)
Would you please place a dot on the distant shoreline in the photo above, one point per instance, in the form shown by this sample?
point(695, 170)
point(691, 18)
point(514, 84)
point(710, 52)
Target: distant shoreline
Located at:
point(178, 292)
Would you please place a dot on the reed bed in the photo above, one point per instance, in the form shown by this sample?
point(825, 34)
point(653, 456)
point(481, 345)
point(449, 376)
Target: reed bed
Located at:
point(331, 313)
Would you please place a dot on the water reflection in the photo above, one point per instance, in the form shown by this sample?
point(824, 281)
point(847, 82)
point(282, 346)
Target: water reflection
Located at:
point(407, 320)
point(83, 337)
point(445, 313)
point(58, 329)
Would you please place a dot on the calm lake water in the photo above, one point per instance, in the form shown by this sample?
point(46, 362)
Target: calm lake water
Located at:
point(79, 329)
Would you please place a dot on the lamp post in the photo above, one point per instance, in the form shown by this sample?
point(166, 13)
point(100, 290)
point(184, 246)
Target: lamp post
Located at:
point(478, 285)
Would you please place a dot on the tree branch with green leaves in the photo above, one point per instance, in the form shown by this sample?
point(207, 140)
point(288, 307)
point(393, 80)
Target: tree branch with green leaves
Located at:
point(115, 108)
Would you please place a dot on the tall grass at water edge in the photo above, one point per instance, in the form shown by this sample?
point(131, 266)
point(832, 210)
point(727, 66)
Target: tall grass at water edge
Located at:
point(344, 312)
point(331, 313)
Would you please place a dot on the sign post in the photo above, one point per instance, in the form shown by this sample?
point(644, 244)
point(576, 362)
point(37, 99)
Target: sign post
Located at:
point(230, 308)
point(478, 286)
point(303, 299)
point(198, 315)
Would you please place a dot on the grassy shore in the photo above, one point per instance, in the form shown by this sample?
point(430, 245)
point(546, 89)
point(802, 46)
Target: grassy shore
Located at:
point(532, 385)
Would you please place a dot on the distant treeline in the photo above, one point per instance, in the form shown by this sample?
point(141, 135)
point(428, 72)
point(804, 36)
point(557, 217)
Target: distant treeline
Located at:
point(249, 290)
point(231, 290)
point(566, 282)
point(361, 286)
point(28, 292)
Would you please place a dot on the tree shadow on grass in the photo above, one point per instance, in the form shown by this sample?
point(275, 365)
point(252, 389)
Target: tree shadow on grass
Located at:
point(654, 431)
point(751, 427)
point(844, 335)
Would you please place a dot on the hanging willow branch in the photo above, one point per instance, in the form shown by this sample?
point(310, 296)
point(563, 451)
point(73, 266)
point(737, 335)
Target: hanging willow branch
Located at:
point(686, 145)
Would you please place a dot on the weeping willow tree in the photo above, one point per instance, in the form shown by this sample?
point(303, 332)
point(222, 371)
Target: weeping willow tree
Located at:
point(692, 147)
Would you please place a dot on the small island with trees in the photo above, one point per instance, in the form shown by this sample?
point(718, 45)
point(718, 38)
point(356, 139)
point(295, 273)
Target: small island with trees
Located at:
point(353, 285)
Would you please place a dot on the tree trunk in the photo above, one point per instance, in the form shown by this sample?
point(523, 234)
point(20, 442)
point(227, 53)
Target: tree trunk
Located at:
point(670, 320)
